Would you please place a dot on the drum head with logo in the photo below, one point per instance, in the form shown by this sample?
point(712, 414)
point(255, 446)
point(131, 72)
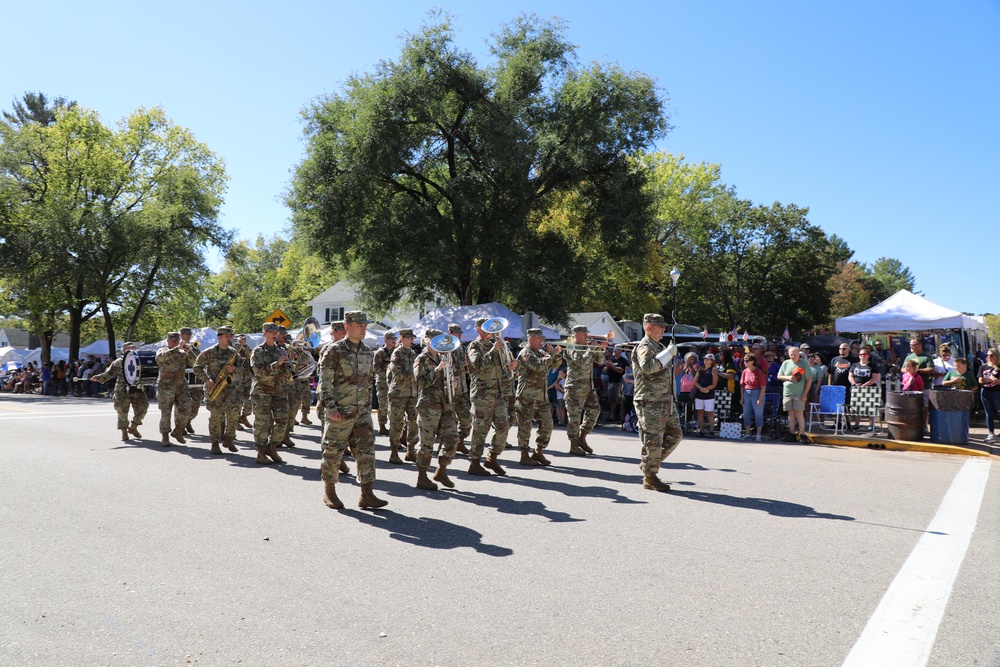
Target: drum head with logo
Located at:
point(130, 368)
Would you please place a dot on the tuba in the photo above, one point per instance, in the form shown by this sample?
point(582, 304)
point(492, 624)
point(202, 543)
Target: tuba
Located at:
point(303, 362)
point(444, 345)
point(494, 326)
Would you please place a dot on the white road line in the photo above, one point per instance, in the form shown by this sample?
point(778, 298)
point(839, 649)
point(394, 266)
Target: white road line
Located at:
point(902, 630)
point(102, 413)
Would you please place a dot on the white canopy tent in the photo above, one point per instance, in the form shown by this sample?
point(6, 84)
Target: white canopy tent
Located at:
point(905, 311)
point(440, 318)
point(12, 354)
point(205, 337)
point(56, 354)
point(98, 347)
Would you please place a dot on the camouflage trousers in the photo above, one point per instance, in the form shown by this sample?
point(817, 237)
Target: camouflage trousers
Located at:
point(489, 409)
point(382, 389)
point(223, 414)
point(463, 413)
point(131, 399)
point(527, 411)
point(434, 420)
point(403, 412)
point(659, 432)
point(177, 399)
point(270, 414)
point(582, 410)
point(197, 396)
point(354, 432)
point(294, 403)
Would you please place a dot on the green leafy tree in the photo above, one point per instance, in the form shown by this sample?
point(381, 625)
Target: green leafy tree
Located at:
point(431, 174)
point(890, 276)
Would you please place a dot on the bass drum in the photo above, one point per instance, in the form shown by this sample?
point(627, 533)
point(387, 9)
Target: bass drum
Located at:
point(131, 369)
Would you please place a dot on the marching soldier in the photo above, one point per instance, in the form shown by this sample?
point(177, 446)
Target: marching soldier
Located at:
point(654, 400)
point(463, 405)
point(402, 399)
point(172, 388)
point(582, 405)
point(533, 397)
point(337, 333)
point(434, 415)
point(125, 396)
point(244, 378)
point(197, 392)
point(488, 405)
point(346, 372)
point(270, 404)
point(215, 364)
point(382, 358)
point(291, 386)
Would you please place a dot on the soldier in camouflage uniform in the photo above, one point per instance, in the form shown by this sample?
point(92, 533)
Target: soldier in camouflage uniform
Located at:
point(244, 378)
point(291, 385)
point(582, 405)
point(347, 374)
point(125, 396)
point(488, 371)
point(172, 387)
point(659, 427)
point(382, 357)
point(402, 399)
point(270, 403)
point(435, 415)
point(463, 403)
point(224, 409)
point(533, 397)
point(337, 333)
point(195, 389)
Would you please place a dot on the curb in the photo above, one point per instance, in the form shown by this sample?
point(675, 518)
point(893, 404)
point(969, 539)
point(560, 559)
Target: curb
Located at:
point(896, 445)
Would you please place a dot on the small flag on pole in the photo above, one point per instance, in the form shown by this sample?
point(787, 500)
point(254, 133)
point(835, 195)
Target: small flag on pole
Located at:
point(746, 337)
point(704, 333)
point(785, 335)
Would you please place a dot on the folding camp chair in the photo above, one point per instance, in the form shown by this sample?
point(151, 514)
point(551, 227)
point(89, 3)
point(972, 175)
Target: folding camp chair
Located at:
point(866, 402)
point(831, 404)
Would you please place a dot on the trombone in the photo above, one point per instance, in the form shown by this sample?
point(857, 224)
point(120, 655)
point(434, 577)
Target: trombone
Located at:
point(444, 345)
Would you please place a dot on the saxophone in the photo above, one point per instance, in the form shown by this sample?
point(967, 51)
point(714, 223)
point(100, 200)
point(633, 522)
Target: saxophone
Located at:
point(224, 377)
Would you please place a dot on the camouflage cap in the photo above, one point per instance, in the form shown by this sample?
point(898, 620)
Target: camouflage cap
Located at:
point(356, 316)
point(224, 329)
point(282, 329)
point(480, 320)
point(389, 334)
point(337, 326)
point(581, 328)
point(653, 318)
point(431, 333)
point(268, 326)
point(535, 332)
point(174, 335)
point(406, 333)
point(186, 331)
point(130, 344)
point(454, 328)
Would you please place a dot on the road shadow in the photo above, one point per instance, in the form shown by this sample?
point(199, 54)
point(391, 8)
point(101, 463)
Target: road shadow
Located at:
point(427, 532)
point(772, 507)
point(571, 490)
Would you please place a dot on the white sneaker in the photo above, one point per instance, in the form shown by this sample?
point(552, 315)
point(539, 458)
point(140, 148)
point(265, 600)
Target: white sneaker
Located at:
point(989, 438)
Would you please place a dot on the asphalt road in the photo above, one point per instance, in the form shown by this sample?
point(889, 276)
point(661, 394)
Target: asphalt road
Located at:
point(762, 555)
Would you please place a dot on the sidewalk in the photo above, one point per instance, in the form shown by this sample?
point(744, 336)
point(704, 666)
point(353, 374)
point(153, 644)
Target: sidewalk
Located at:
point(974, 447)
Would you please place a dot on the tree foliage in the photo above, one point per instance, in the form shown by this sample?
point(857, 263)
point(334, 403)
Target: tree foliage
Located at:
point(431, 174)
point(890, 276)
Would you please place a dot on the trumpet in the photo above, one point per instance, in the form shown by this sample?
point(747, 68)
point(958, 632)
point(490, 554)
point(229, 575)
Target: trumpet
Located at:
point(494, 326)
point(444, 345)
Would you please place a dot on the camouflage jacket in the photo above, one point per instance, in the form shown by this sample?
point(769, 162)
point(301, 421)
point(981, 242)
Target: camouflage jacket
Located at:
point(486, 367)
point(382, 358)
point(580, 368)
point(114, 371)
point(347, 374)
point(431, 390)
point(460, 363)
point(268, 375)
point(173, 364)
point(653, 382)
point(401, 384)
point(211, 361)
point(533, 374)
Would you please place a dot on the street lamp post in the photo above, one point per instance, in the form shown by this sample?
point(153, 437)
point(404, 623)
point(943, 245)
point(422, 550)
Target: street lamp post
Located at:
point(675, 275)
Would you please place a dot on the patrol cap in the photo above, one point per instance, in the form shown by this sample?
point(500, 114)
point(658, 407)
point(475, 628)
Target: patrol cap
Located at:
point(269, 326)
point(389, 334)
point(535, 332)
point(282, 329)
point(406, 333)
point(356, 316)
point(480, 320)
point(174, 335)
point(130, 344)
point(653, 318)
point(337, 326)
point(581, 328)
point(454, 328)
point(186, 330)
point(224, 329)
point(431, 333)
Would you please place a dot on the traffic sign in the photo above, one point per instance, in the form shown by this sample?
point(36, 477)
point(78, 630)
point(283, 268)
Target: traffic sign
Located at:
point(278, 318)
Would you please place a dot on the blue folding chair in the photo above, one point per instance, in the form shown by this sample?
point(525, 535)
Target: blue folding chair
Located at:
point(832, 398)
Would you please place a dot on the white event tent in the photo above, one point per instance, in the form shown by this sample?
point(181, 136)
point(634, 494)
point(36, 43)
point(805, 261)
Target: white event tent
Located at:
point(905, 311)
point(205, 337)
point(440, 318)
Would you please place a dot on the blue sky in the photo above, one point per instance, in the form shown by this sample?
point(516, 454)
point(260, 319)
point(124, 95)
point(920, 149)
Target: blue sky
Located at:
point(880, 117)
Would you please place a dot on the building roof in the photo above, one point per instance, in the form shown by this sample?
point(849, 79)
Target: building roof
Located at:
point(25, 340)
point(342, 292)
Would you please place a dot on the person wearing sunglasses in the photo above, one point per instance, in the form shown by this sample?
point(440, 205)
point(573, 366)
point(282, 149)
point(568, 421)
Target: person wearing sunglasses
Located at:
point(989, 382)
point(864, 374)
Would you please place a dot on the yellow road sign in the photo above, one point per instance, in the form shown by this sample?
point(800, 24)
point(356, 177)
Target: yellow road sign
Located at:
point(278, 318)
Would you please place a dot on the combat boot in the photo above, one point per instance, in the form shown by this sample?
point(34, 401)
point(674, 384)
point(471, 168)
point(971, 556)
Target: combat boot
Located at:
point(653, 483)
point(305, 418)
point(527, 460)
point(441, 475)
point(582, 442)
point(330, 498)
point(246, 422)
point(287, 442)
point(394, 455)
point(178, 434)
point(411, 454)
point(368, 498)
point(540, 456)
point(461, 448)
point(424, 483)
point(382, 430)
point(166, 440)
point(215, 447)
point(477, 469)
point(124, 434)
point(227, 442)
point(189, 428)
point(344, 469)
point(272, 451)
point(493, 464)
point(262, 457)
point(134, 430)
point(574, 447)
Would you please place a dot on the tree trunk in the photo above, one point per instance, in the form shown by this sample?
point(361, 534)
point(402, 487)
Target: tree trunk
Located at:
point(109, 327)
point(143, 300)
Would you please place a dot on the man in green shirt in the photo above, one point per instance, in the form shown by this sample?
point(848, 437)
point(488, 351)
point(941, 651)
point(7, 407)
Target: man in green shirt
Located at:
point(797, 379)
point(925, 364)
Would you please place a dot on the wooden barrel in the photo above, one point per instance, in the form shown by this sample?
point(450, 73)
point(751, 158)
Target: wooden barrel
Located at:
point(904, 413)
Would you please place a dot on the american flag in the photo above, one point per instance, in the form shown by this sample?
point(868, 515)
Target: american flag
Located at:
point(785, 335)
point(746, 336)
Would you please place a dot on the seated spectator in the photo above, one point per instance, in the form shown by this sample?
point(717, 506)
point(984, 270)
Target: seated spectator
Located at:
point(942, 365)
point(912, 381)
point(960, 377)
